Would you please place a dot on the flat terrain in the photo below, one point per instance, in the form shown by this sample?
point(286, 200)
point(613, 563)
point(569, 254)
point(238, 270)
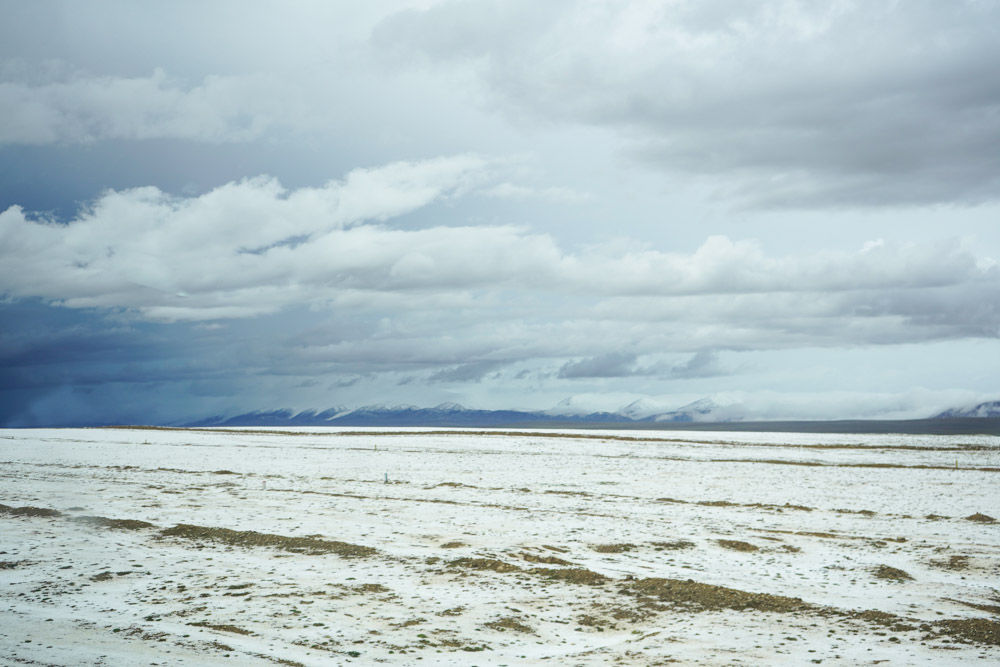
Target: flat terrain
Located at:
point(315, 547)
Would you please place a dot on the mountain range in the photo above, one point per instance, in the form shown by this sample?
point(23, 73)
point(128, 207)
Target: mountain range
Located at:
point(639, 414)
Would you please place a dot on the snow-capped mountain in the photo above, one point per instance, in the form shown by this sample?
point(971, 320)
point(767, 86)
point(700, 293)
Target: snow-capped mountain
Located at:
point(987, 410)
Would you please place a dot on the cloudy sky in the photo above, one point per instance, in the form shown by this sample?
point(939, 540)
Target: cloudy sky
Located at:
point(790, 207)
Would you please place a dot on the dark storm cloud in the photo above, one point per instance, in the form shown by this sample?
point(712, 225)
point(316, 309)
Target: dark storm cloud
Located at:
point(788, 103)
point(704, 363)
point(612, 364)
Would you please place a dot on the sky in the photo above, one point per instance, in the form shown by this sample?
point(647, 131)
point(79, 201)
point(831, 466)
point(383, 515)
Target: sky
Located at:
point(789, 208)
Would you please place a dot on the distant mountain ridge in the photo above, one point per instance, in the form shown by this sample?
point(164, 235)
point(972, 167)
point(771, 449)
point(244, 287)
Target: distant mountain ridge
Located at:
point(447, 414)
point(639, 413)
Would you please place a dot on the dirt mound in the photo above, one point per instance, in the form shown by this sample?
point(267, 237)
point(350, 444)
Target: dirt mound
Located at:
point(708, 596)
point(979, 517)
point(251, 538)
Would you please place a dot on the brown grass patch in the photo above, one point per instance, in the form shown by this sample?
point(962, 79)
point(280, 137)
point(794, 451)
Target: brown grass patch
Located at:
point(953, 563)
point(484, 564)
point(675, 545)
point(510, 623)
point(613, 548)
point(737, 545)
point(891, 573)
point(991, 608)
point(979, 517)
point(28, 511)
point(573, 575)
point(981, 630)
point(251, 538)
point(708, 596)
point(221, 627)
point(547, 560)
point(453, 545)
point(114, 524)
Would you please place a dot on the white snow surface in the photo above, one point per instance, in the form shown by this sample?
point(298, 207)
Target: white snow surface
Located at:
point(823, 511)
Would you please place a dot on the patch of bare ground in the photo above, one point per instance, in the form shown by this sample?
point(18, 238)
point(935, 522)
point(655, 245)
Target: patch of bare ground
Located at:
point(991, 608)
point(113, 524)
point(28, 511)
point(728, 503)
point(510, 623)
point(935, 517)
point(613, 548)
point(251, 538)
point(833, 536)
point(652, 594)
point(546, 560)
point(842, 510)
point(891, 573)
point(484, 564)
point(955, 562)
point(451, 484)
point(371, 588)
point(11, 564)
point(452, 545)
point(979, 630)
point(222, 627)
point(710, 597)
point(979, 517)
point(737, 545)
point(673, 546)
point(573, 575)
point(882, 619)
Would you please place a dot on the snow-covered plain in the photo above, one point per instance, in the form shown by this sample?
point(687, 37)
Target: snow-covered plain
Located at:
point(568, 547)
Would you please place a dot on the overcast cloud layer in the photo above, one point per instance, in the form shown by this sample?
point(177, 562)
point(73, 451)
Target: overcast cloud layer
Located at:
point(788, 207)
